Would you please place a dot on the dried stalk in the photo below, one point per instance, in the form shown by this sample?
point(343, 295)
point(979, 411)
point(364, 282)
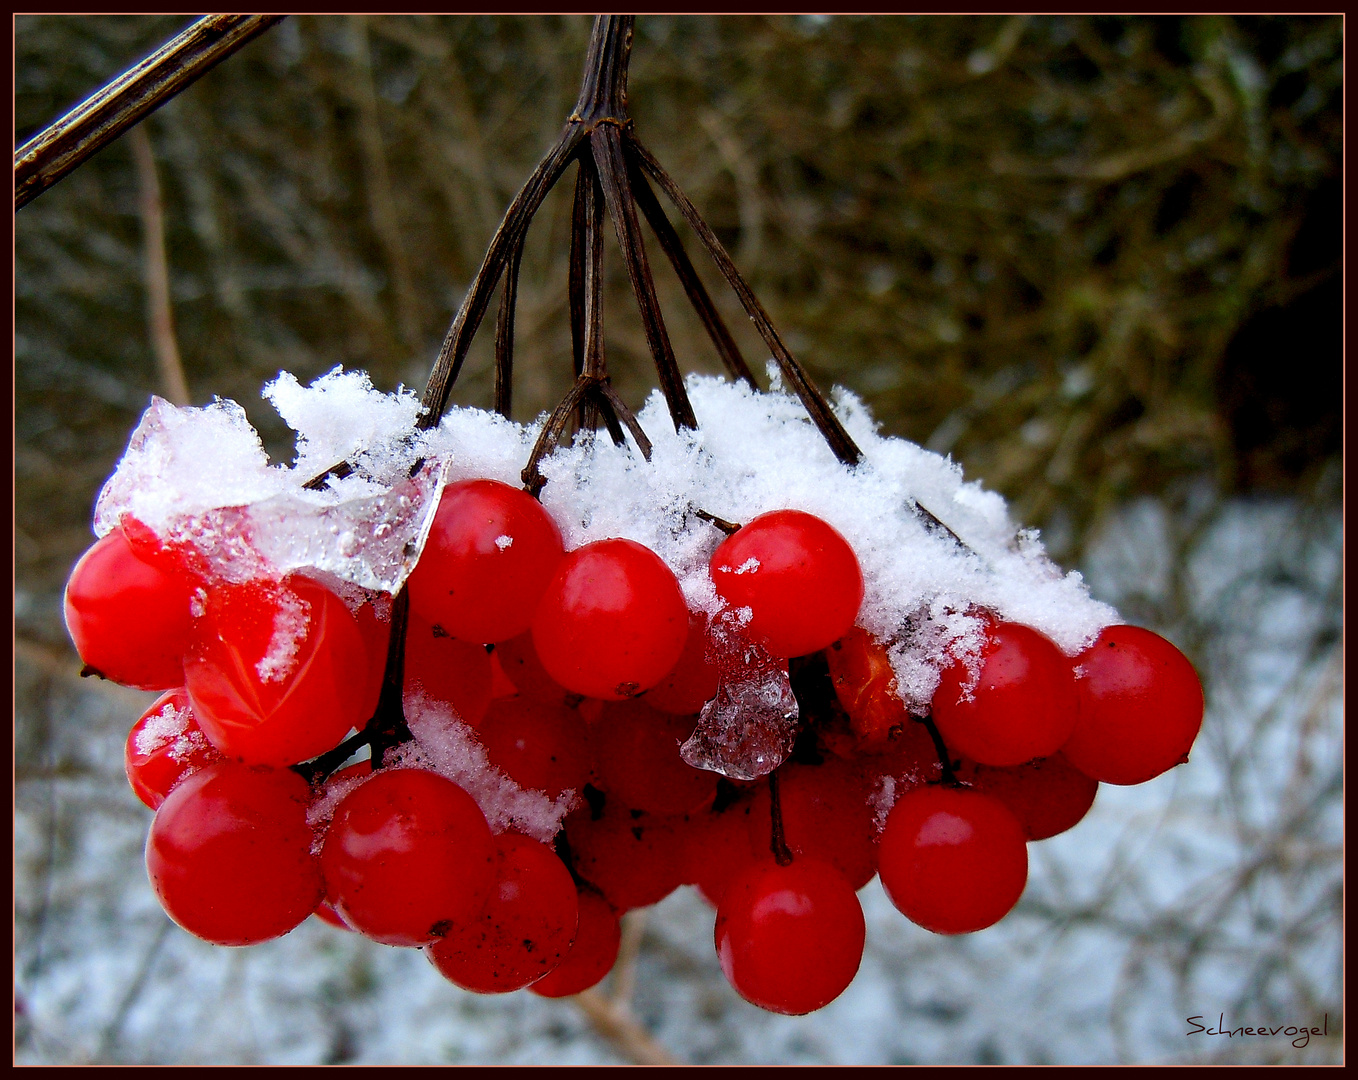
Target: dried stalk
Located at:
point(108, 112)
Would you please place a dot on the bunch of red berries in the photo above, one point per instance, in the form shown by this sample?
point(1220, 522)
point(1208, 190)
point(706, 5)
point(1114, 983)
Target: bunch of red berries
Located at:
point(585, 677)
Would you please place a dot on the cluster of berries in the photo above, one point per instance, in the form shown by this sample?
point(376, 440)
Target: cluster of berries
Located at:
point(584, 672)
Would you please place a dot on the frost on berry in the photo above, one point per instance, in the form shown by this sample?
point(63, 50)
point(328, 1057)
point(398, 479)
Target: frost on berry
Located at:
point(449, 747)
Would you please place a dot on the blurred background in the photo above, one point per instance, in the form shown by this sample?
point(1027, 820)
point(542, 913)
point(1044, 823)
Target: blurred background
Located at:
point(1097, 260)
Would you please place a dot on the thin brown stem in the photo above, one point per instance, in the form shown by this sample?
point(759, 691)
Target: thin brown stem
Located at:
point(603, 408)
point(628, 418)
point(606, 143)
point(941, 749)
point(728, 527)
point(508, 236)
point(504, 335)
point(782, 854)
point(843, 447)
point(576, 275)
point(594, 362)
point(697, 293)
point(388, 726)
point(58, 150)
point(550, 435)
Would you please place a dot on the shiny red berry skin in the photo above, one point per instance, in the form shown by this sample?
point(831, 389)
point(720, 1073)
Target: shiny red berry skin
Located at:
point(613, 622)
point(525, 673)
point(693, 682)
point(826, 816)
point(591, 955)
point(277, 671)
point(539, 746)
point(444, 669)
point(952, 861)
point(790, 938)
point(490, 554)
point(635, 859)
point(165, 746)
point(129, 619)
point(408, 857)
point(865, 683)
point(1140, 707)
point(637, 760)
point(526, 928)
point(1022, 706)
point(798, 576)
point(229, 854)
point(1048, 796)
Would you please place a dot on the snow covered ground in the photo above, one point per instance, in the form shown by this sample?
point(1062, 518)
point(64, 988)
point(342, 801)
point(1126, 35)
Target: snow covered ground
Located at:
point(1215, 889)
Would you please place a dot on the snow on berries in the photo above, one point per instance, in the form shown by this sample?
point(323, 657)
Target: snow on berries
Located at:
point(737, 664)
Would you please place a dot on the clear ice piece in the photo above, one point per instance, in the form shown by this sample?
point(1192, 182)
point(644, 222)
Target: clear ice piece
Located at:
point(748, 729)
point(374, 542)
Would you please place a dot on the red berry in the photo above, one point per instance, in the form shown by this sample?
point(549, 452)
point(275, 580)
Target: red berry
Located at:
point(490, 554)
point(1048, 796)
point(1140, 707)
point(165, 746)
point(635, 859)
point(445, 669)
point(1021, 707)
point(408, 857)
point(526, 928)
point(637, 760)
point(719, 847)
point(525, 672)
point(539, 746)
point(328, 914)
point(129, 619)
point(376, 633)
point(693, 682)
point(865, 684)
point(951, 860)
point(797, 575)
point(790, 938)
point(592, 954)
point(613, 621)
point(271, 669)
point(825, 815)
point(229, 854)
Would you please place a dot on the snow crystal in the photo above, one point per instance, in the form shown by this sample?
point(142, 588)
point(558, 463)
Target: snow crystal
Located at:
point(290, 624)
point(162, 727)
point(503, 541)
point(200, 476)
point(321, 809)
point(448, 746)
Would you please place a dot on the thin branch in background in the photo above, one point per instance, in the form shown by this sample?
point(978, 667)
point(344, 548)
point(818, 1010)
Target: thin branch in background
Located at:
point(109, 1039)
point(620, 1027)
point(380, 200)
point(155, 267)
point(611, 1014)
point(629, 949)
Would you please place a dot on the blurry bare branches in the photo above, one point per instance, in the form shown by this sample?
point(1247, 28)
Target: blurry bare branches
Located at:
point(159, 314)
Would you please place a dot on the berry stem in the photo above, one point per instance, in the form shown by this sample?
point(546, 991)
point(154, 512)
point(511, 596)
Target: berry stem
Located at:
point(944, 761)
point(388, 727)
point(782, 854)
